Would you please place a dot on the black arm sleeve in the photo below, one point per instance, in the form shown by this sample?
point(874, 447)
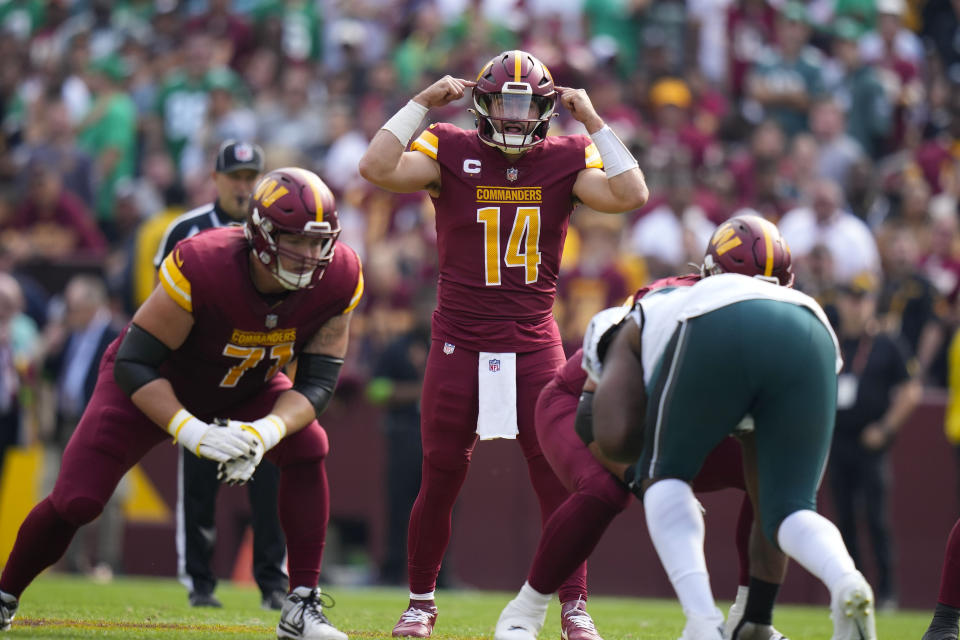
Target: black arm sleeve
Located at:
point(317, 378)
point(583, 424)
point(139, 357)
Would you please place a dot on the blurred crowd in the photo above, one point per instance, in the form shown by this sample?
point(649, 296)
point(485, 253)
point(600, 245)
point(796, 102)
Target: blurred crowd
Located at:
point(833, 118)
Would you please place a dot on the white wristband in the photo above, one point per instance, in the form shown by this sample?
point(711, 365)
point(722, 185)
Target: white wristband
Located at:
point(187, 430)
point(615, 155)
point(405, 122)
point(269, 429)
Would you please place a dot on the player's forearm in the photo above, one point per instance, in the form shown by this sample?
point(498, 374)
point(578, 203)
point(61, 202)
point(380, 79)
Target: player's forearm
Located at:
point(157, 401)
point(625, 180)
point(630, 189)
point(386, 149)
point(295, 410)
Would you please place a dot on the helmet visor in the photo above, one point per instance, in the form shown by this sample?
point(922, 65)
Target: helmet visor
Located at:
point(520, 107)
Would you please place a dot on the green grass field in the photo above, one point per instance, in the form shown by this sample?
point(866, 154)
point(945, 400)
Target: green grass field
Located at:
point(67, 607)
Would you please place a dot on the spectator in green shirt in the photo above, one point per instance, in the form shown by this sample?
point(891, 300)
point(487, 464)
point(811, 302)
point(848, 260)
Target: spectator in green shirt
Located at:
point(108, 133)
point(787, 78)
point(859, 91)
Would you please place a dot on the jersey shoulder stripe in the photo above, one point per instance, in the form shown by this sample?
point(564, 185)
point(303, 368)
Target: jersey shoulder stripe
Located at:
point(358, 291)
point(174, 282)
point(427, 143)
point(592, 157)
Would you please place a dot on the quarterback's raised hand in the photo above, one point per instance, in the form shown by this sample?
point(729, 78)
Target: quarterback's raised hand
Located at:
point(577, 102)
point(211, 441)
point(444, 91)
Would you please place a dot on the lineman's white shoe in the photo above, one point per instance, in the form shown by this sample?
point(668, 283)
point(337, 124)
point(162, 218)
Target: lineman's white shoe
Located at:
point(851, 607)
point(518, 622)
point(703, 628)
point(302, 617)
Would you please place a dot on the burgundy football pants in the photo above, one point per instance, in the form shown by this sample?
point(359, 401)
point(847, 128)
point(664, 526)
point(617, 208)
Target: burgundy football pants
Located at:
point(448, 430)
point(113, 435)
point(950, 573)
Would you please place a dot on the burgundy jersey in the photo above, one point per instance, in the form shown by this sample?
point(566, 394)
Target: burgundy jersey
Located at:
point(240, 338)
point(500, 232)
point(570, 376)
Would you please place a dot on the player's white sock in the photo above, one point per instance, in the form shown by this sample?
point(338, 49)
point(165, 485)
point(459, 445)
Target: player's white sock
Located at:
point(816, 544)
point(677, 529)
point(532, 599)
point(421, 596)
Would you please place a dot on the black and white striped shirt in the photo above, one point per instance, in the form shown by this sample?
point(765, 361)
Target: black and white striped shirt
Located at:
point(208, 216)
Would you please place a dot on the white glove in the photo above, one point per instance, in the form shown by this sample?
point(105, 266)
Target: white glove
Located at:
point(269, 429)
point(240, 470)
point(267, 432)
point(214, 442)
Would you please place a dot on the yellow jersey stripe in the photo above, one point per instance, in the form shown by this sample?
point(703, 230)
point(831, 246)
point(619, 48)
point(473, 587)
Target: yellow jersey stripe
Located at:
point(592, 157)
point(516, 66)
point(357, 293)
point(427, 144)
point(175, 283)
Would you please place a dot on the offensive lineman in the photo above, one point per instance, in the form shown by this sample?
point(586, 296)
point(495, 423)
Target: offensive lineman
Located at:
point(233, 306)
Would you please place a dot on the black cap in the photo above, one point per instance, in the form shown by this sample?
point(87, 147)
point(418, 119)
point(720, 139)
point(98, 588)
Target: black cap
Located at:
point(235, 155)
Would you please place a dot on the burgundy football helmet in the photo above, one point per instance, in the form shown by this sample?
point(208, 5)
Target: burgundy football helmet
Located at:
point(750, 245)
point(295, 201)
point(514, 100)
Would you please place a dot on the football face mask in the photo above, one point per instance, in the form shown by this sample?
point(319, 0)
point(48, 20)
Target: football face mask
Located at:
point(514, 115)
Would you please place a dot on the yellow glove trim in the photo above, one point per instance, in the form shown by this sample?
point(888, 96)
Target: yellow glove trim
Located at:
point(247, 427)
point(184, 417)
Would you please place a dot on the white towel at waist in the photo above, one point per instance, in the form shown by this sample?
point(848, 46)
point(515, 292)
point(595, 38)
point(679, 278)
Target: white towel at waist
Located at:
point(497, 382)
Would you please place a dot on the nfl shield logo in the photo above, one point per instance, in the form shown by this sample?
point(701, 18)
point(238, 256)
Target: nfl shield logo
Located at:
point(243, 152)
point(271, 320)
point(448, 348)
point(512, 174)
point(494, 365)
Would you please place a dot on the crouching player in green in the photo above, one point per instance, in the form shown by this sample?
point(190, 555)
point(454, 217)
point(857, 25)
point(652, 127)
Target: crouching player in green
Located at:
point(683, 374)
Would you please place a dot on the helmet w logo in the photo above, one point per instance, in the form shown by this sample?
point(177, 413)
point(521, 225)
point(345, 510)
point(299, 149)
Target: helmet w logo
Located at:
point(268, 191)
point(725, 239)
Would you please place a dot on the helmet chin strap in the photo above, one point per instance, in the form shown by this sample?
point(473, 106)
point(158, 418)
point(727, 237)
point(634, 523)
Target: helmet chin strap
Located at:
point(290, 280)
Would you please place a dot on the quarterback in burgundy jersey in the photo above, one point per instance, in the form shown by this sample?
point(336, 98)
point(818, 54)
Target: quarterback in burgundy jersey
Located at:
point(503, 195)
point(234, 305)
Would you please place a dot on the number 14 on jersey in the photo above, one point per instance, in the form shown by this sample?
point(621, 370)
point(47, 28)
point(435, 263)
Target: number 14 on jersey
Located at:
point(523, 247)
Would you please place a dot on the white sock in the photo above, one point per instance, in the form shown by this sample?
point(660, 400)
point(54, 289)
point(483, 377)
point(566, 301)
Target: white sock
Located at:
point(421, 596)
point(816, 544)
point(677, 530)
point(532, 599)
point(740, 602)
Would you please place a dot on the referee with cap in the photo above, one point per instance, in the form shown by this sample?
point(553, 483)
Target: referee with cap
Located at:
point(238, 166)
